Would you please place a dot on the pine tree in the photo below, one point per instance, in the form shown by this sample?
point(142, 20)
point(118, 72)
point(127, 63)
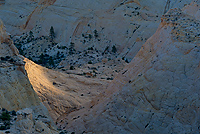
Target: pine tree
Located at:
point(114, 49)
point(52, 33)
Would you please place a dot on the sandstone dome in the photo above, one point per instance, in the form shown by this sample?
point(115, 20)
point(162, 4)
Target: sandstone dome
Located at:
point(158, 92)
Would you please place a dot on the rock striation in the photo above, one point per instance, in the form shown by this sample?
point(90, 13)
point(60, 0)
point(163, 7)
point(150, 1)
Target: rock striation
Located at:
point(126, 24)
point(16, 91)
point(158, 92)
point(62, 93)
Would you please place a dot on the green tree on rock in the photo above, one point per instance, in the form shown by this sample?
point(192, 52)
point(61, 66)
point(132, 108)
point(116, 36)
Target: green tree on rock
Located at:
point(52, 33)
point(51, 61)
point(114, 49)
point(31, 37)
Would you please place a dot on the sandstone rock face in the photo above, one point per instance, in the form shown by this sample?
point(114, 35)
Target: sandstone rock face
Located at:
point(158, 92)
point(16, 91)
point(25, 124)
point(126, 24)
point(62, 93)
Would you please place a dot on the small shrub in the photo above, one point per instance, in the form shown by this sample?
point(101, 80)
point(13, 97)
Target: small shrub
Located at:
point(3, 109)
point(90, 62)
point(3, 59)
point(13, 113)
point(52, 33)
point(71, 48)
point(2, 127)
point(109, 78)
point(54, 83)
point(51, 61)
point(63, 47)
point(5, 116)
point(8, 57)
point(126, 61)
point(114, 49)
point(90, 48)
point(96, 33)
point(71, 68)
point(90, 36)
point(11, 60)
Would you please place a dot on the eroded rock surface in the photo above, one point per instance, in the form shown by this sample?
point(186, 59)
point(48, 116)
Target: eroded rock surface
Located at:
point(16, 92)
point(127, 24)
point(26, 123)
point(63, 93)
point(158, 92)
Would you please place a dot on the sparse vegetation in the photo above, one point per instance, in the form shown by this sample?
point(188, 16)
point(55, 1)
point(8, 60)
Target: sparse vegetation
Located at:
point(126, 61)
point(3, 127)
point(90, 36)
point(90, 62)
point(51, 61)
point(30, 38)
point(42, 59)
point(71, 48)
point(13, 113)
point(5, 116)
point(71, 68)
point(52, 33)
point(114, 49)
point(90, 48)
point(95, 33)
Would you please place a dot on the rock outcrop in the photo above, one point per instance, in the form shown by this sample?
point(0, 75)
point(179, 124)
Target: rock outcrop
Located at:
point(16, 91)
point(26, 124)
point(62, 93)
point(158, 92)
point(126, 24)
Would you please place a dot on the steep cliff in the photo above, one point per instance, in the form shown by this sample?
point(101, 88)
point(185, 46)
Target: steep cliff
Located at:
point(16, 92)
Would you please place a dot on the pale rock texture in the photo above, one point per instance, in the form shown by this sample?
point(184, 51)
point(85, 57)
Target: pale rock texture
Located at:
point(158, 92)
point(124, 23)
point(16, 91)
point(63, 93)
point(26, 124)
